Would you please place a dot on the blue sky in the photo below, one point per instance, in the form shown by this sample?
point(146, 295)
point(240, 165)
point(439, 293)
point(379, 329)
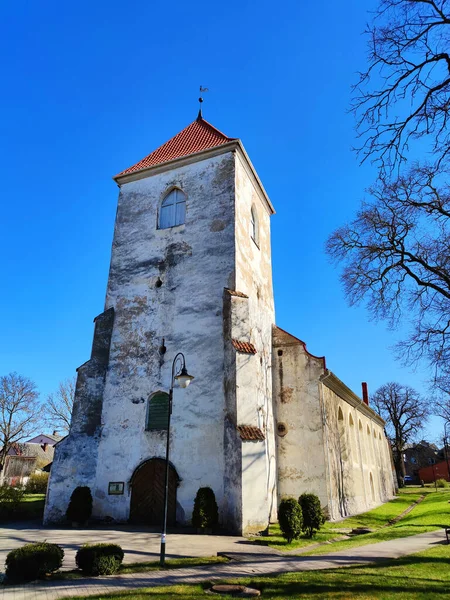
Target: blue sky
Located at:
point(89, 88)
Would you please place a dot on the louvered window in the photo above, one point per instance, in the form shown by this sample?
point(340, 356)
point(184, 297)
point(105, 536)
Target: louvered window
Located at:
point(254, 226)
point(158, 411)
point(173, 210)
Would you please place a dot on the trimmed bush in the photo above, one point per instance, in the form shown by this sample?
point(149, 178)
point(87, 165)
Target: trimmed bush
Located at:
point(205, 514)
point(80, 505)
point(441, 483)
point(33, 561)
point(290, 519)
point(99, 559)
point(37, 483)
point(313, 518)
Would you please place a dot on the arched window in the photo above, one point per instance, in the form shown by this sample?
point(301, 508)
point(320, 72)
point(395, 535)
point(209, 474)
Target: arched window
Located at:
point(372, 489)
point(342, 435)
point(173, 209)
point(157, 412)
point(254, 226)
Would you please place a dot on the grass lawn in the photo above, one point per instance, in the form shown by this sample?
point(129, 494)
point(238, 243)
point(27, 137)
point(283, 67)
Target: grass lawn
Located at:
point(31, 507)
point(423, 576)
point(432, 513)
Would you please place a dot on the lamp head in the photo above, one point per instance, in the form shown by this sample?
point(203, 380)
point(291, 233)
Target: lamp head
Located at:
point(183, 378)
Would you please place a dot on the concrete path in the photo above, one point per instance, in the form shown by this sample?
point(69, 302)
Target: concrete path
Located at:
point(263, 563)
point(140, 544)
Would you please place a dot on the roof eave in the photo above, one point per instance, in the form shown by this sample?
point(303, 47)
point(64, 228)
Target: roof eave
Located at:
point(340, 389)
point(230, 146)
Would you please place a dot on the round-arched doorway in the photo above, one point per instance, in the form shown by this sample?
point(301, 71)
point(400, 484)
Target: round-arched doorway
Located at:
point(147, 493)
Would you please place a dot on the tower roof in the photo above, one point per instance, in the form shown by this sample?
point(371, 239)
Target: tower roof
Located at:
point(199, 135)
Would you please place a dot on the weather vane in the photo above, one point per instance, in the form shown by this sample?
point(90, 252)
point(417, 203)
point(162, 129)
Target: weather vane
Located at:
point(202, 91)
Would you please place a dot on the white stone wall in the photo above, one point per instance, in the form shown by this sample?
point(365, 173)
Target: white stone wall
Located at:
point(359, 461)
point(302, 455)
point(195, 262)
point(254, 372)
point(334, 446)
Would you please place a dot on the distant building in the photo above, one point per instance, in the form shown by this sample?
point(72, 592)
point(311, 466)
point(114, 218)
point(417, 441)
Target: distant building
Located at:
point(420, 455)
point(25, 458)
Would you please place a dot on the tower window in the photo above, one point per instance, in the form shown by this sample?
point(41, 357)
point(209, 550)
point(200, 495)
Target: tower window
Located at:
point(254, 226)
point(157, 412)
point(173, 209)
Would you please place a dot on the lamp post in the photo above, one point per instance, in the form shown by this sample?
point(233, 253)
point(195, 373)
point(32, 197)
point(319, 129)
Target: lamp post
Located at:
point(180, 374)
point(445, 448)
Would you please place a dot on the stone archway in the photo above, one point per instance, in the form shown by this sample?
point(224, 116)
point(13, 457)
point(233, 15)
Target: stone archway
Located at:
point(147, 493)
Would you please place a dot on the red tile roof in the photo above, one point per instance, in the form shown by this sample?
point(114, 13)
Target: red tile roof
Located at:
point(199, 135)
point(249, 433)
point(244, 347)
point(236, 293)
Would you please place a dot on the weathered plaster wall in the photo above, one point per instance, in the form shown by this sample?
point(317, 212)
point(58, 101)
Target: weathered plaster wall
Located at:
point(300, 441)
point(75, 459)
point(323, 444)
point(254, 372)
point(360, 474)
point(195, 262)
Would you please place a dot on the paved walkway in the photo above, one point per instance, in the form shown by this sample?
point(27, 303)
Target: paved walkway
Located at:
point(140, 544)
point(263, 563)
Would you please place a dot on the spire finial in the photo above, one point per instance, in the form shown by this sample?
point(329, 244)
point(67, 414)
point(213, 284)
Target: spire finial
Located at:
point(202, 91)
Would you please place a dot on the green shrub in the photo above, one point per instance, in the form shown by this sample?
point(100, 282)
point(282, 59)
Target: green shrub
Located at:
point(99, 559)
point(80, 505)
point(10, 501)
point(33, 561)
point(313, 517)
point(205, 512)
point(37, 483)
point(441, 483)
point(290, 519)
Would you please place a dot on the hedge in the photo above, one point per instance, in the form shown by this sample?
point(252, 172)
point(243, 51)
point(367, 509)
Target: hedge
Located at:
point(33, 561)
point(290, 519)
point(99, 559)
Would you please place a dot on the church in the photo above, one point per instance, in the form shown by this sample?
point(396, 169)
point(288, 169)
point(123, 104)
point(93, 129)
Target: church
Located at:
point(190, 289)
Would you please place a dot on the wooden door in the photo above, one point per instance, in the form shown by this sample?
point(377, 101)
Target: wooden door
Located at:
point(147, 493)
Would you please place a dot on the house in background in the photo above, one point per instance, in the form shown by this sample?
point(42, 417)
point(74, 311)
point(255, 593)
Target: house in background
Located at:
point(23, 459)
point(420, 455)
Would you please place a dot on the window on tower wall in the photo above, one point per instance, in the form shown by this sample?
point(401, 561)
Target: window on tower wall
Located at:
point(157, 412)
point(254, 229)
point(173, 209)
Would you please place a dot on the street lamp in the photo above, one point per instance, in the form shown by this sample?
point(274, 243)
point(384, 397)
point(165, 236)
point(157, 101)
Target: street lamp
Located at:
point(180, 374)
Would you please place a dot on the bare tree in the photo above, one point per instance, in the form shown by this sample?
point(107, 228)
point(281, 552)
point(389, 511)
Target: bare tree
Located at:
point(441, 406)
point(405, 413)
point(19, 411)
point(395, 252)
point(404, 94)
point(60, 405)
point(396, 257)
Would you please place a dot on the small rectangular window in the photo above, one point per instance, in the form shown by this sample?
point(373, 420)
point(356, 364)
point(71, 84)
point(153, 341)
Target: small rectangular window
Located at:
point(158, 412)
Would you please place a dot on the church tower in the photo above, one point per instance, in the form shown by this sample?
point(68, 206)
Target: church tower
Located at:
point(190, 272)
